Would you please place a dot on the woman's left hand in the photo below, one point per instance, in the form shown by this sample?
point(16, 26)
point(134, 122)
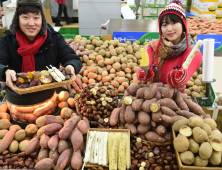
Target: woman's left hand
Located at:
point(177, 78)
point(72, 70)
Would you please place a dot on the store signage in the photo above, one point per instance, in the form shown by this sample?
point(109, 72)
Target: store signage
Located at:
point(133, 36)
point(217, 43)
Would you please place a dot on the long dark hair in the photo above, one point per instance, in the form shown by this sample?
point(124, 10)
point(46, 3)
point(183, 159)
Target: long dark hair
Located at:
point(172, 17)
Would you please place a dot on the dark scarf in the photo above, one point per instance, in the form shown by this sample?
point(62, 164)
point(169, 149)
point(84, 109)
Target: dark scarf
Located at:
point(166, 50)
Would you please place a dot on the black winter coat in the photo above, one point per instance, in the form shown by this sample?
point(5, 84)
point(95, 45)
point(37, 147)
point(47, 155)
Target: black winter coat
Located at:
point(53, 52)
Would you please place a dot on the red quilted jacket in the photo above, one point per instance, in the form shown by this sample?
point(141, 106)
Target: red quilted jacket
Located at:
point(63, 2)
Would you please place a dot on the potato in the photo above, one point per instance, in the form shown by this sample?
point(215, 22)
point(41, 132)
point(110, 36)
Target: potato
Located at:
point(23, 144)
point(207, 129)
point(40, 132)
point(2, 133)
point(4, 124)
point(31, 129)
point(40, 121)
point(216, 144)
point(20, 135)
point(197, 82)
point(193, 146)
point(198, 161)
point(187, 157)
point(179, 123)
point(190, 84)
point(205, 150)
point(142, 129)
point(195, 121)
point(215, 158)
point(199, 135)
point(66, 113)
point(161, 130)
point(154, 137)
point(13, 147)
point(181, 143)
point(217, 133)
point(63, 96)
point(210, 122)
point(185, 131)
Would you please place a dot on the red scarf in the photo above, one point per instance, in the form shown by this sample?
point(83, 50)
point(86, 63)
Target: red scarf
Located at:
point(63, 2)
point(28, 51)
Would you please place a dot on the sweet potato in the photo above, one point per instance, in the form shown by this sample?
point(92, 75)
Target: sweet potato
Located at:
point(63, 145)
point(161, 130)
point(63, 159)
point(43, 153)
point(3, 133)
point(41, 121)
point(146, 105)
point(150, 92)
point(132, 89)
point(129, 115)
point(40, 132)
point(32, 145)
point(185, 113)
point(137, 104)
point(168, 103)
point(49, 119)
point(53, 142)
point(76, 139)
point(45, 164)
point(4, 115)
point(157, 116)
point(142, 129)
point(167, 111)
point(44, 141)
point(43, 110)
point(131, 127)
point(153, 124)
point(154, 137)
point(54, 155)
point(4, 124)
point(140, 92)
point(158, 95)
point(194, 107)
point(5, 142)
point(83, 126)
point(52, 128)
point(180, 102)
point(76, 161)
point(167, 92)
point(143, 118)
point(4, 108)
point(114, 116)
point(121, 115)
point(173, 119)
point(66, 113)
point(155, 107)
point(68, 127)
point(169, 136)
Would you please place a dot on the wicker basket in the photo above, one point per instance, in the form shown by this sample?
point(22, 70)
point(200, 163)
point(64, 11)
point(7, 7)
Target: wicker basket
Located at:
point(185, 167)
point(157, 144)
point(44, 86)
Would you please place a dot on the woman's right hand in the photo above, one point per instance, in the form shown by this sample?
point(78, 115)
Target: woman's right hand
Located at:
point(10, 77)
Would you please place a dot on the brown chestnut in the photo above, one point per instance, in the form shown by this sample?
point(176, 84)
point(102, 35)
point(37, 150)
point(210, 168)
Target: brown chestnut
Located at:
point(169, 158)
point(145, 156)
point(135, 161)
point(21, 164)
point(145, 148)
point(175, 167)
point(16, 164)
point(138, 156)
point(158, 168)
point(160, 161)
point(173, 162)
point(1, 157)
point(154, 165)
point(135, 149)
point(8, 156)
point(164, 150)
point(167, 167)
point(133, 166)
point(162, 155)
point(152, 160)
point(21, 154)
point(5, 152)
point(141, 160)
point(27, 163)
point(34, 154)
point(138, 145)
point(1, 162)
point(140, 151)
point(132, 152)
point(156, 152)
point(152, 145)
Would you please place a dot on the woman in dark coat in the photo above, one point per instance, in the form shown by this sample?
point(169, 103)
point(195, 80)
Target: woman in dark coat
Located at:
point(31, 44)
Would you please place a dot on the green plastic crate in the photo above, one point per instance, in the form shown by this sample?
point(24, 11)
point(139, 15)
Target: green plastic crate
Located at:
point(74, 31)
point(74, 35)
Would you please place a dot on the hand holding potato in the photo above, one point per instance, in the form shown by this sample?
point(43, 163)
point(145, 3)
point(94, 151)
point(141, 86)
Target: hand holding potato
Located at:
point(72, 70)
point(10, 77)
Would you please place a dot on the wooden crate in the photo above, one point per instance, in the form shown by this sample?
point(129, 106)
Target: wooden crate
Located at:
point(185, 167)
point(89, 165)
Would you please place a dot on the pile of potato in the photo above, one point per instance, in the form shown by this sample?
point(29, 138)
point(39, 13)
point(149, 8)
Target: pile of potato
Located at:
point(199, 141)
point(218, 99)
point(194, 86)
point(110, 62)
point(149, 110)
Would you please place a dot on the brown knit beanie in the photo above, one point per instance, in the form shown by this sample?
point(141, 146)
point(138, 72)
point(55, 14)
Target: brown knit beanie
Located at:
point(37, 3)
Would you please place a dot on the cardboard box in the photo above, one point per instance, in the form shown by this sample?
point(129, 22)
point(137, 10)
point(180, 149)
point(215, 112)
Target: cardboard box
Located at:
point(151, 11)
point(210, 5)
point(154, 3)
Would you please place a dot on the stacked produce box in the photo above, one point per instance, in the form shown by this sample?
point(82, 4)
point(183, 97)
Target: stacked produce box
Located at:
point(152, 8)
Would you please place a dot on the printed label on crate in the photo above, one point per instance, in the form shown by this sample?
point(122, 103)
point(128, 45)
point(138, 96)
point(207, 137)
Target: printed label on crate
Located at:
point(154, 3)
point(133, 36)
point(150, 12)
point(184, 2)
point(217, 43)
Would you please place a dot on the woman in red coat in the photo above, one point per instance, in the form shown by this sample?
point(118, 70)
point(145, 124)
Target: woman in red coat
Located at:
point(167, 55)
point(62, 7)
